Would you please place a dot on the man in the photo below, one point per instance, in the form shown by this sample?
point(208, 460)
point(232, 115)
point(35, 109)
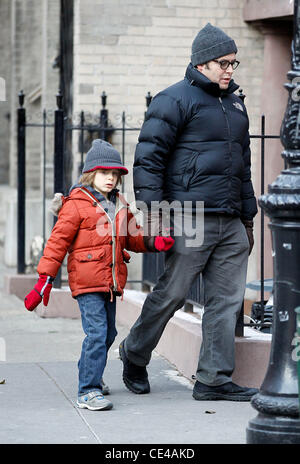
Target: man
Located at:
point(194, 146)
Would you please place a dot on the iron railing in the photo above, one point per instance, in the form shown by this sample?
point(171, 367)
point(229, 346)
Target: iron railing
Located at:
point(153, 264)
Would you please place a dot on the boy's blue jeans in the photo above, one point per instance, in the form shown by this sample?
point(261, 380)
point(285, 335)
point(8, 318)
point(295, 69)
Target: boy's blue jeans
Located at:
point(98, 316)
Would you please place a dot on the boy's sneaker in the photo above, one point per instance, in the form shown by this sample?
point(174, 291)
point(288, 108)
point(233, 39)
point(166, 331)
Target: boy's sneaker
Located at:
point(94, 401)
point(105, 388)
point(135, 377)
point(228, 391)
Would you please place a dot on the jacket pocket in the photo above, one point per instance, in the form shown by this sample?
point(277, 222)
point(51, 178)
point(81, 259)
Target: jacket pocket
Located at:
point(189, 170)
point(89, 255)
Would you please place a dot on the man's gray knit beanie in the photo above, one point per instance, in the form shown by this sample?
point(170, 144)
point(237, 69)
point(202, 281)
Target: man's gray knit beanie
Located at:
point(102, 155)
point(211, 43)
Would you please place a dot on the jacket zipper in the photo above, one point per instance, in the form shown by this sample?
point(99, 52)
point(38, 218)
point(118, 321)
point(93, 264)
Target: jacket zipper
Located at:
point(114, 255)
point(115, 287)
point(114, 243)
point(227, 122)
point(229, 136)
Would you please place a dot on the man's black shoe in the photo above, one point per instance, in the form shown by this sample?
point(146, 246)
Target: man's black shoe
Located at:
point(228, 391)
point(135, 377)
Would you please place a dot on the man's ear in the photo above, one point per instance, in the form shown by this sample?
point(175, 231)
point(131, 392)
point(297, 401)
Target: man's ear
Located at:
point(200, 67)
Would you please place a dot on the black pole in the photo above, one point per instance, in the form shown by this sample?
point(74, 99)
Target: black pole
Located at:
point(103, 134)
point(123, 145)
point(277, 402)
point(44, 177)
point(262, 225)
point(82, 119)
point(59, 146)
point(242, 96)
point(148, 101)
point(58, 159)
point(21, 185)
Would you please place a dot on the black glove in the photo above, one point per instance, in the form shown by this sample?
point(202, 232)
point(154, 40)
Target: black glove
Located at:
point(249, 229)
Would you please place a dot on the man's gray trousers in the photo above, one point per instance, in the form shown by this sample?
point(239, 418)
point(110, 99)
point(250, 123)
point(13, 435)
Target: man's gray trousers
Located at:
point(222, 259)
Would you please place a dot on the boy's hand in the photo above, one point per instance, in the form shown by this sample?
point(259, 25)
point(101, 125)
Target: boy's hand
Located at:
point(41, 291)
point(163, 243)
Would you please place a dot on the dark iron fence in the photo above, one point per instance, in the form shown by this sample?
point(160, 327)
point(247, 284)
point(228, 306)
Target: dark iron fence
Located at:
point(153, 264)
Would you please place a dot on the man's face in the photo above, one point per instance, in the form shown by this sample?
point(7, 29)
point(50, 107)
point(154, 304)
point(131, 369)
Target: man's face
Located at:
point(213, 71)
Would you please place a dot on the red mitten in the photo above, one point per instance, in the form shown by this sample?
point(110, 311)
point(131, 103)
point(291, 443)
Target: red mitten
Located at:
point(163, 243)
point(40, 291)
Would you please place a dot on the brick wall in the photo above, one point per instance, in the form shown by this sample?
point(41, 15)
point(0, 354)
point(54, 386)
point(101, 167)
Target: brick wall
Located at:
point(26, 75)
point(34, 27)
point(127, 48)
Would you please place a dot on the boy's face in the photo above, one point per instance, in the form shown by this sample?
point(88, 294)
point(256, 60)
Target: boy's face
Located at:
point(105, 180)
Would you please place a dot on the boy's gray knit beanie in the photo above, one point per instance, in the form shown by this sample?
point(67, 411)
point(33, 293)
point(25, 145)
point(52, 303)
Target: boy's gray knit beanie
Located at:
point(211, 43)
point(102, 155)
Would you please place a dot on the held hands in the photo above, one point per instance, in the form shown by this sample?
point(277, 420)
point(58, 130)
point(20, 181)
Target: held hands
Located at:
point(163, 243)
point(41, 291)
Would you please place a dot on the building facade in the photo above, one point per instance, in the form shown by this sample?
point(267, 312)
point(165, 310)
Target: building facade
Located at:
point(128, 48)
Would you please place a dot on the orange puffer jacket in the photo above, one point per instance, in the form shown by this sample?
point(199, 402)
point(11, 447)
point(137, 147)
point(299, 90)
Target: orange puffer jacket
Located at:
point(96, 245)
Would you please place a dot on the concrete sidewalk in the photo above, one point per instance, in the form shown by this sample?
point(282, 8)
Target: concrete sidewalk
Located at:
point(37, 400)
point(38, 406)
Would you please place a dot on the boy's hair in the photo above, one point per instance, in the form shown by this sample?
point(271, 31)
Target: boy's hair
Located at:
point(87, 178)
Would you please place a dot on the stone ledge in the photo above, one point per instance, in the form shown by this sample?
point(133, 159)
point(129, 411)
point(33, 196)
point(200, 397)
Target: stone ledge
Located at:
point(181, 341)
point(267, 9)
point(61, 303)
point(19, 284)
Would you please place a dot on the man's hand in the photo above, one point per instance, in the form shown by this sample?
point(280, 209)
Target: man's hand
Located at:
point(41, 291)
point(163, 243)
point(249, 229)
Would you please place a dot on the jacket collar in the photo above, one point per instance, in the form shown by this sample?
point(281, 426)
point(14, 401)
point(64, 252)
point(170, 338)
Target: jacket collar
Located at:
point(112, 196)
point(198, 79)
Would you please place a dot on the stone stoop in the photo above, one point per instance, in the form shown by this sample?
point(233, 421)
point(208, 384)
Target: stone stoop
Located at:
point(61, 303)
point(181, 340)
point(19, 284)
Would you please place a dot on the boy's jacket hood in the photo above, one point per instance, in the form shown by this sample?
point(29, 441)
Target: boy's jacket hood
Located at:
point(59, 199)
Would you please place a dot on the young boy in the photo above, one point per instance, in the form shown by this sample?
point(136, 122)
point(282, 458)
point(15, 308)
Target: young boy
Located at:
point(93, 227)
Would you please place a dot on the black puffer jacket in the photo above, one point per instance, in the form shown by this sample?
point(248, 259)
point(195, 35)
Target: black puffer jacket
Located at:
point(194, 146)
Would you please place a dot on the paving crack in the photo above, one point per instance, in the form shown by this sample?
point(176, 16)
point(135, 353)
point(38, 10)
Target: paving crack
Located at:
point(97, 438)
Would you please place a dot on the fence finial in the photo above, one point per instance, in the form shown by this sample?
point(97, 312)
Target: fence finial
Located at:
point(59, 99)
point(148, 99)
point(242, 95)
point(21, 98)
point(103, 99)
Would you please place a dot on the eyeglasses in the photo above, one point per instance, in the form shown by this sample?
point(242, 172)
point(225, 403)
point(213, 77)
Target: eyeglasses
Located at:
point(224, 64)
